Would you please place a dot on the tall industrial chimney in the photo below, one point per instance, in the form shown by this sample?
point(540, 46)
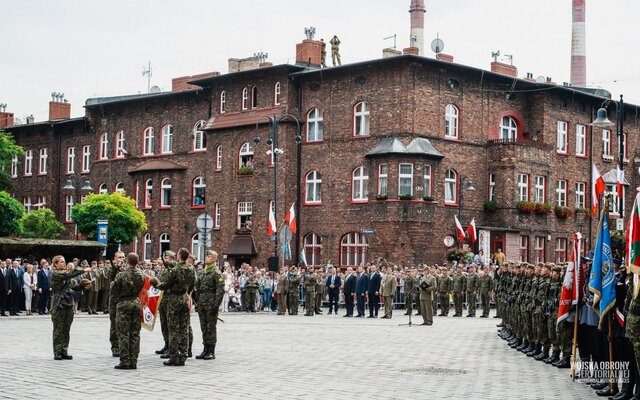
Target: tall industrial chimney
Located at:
point(578, 45)
point(417, 12)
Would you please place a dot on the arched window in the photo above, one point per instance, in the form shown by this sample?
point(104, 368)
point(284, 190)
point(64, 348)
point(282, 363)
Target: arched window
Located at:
point(360, 184)
point(313, 188)
point(104, 146)
point(508, 128)
point(245, 98)
point(198, 192)
point(119, 187)
point(147, 247)
point(165, 243)
point(245, 157)
point(219, 158)
point(353, 249)
point(276, 94)
point(167, 139)
point(254, 97)
point(199, 137)
point(103, 189)
point(361, 117)
point(148, 189)
point(148, 141)
point(197, 247)
point(313, 249)
point(120, 151)
point(451, 122)
point(223, 101)
point(165, 193)
point(315, 126)
point(451, 187)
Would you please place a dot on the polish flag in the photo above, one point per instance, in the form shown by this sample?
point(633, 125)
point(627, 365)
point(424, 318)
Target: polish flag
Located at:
point(290, 218)
point(461, 233)
point(472, 231)
point(597, 188)
point(271, 226)
point(619, 181)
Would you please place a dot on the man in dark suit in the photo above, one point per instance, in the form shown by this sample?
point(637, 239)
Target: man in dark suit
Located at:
point(373, 292)
point(348, 289)
point(362, 284)
point(44, 287)
point(333, 283)
point(15, 286)
point(4, 288)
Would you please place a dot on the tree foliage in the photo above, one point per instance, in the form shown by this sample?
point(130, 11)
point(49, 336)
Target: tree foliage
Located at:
point(125, 221)
point(42, 224)
point(11, 212)
point(8, 149)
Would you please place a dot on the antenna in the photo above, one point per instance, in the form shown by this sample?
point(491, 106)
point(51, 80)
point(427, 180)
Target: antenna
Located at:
point(310, 32)
point(394, 40)
point(510, 57)
point(148, 73)
point(437, 45)
point(495, 55)
point(262, 57)
point(3, 107)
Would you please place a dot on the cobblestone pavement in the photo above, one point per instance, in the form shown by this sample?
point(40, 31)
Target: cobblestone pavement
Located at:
point(292, 357)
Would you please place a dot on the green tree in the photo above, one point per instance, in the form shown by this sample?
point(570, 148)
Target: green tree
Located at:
point(42, 224)
point(8, 149)
point(125, 221)
point(11, 212)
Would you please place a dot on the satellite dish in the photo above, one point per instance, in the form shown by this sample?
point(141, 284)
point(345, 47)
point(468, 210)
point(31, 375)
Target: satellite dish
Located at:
point(541, 79)
point(437, 45)
point(17, 121)
point(155, 89)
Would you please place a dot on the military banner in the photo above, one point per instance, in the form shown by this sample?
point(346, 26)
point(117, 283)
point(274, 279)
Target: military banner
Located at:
point(571, 284)
point(602, 282)
point(150, 298)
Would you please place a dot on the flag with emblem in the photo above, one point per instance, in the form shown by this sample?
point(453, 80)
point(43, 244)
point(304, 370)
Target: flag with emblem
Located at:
point(602, 282)
point(571, 284)
point(150, 298)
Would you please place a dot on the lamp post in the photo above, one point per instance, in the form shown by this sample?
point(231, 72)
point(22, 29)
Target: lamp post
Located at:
point(275, 151)
point(86, 188)
point(468, 186)
point(602, 121)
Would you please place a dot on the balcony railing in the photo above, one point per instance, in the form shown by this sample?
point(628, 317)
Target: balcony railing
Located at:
point(517, 142)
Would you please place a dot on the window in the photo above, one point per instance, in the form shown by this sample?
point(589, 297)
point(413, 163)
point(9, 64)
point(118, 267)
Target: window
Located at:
point(383, 180)
point(120, 150)
point(14, 166)
point(167, 139)
point(245, 210)
point(68, 207)
point(42, 165)
point(198, 192)
point(136, 194)
point(148, 142)
point(450, 187)
point(103, 189)
point(539, 244)
point(313, 249)
point(315, 126)
point(451, 122)
point(86, 158)
point(426, 180)
point(405, 180)
point(561, 137)
point(223, 101)
point(148, 190)
point(614, 207)
point(245, 158)
point(606, 145)
point(353, 249)
point(42, 203)
point(198, 246)
point(508, 128)
point(28, 163)
point(254, 97)
point(581, 140)
point(540, 189)
point(523, 187)
point(147, 247)
point(276, 94)
point(165, 193)
point(359, 185)
point(199, 137)
point(119, 188)
point(27, 204)
point(561, 193)
point(580, 194)
point(245, 98)
point(104, 146)
point(219, 158)
point(71, 159)
point(492, 187)
point(561, 250)
point(524, 248)
point(361, 117)
point(216, 216)
point(165, 243)
point(313, 188)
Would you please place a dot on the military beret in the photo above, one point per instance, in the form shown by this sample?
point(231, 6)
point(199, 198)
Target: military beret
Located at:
point(169, 253)
point(192, 257)
point(556, 268)
point(531, 266)
point(211, 253)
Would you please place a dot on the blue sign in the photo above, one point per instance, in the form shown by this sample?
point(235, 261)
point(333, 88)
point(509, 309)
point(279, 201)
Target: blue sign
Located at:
point(103, 231)
point(367, 231)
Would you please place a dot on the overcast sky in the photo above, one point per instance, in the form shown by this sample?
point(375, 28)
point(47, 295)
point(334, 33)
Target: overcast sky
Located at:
point(98, 48)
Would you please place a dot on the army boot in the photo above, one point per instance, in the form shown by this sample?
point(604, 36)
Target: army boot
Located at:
point(205, 351)
point(544, 354)
point(211, 353)
point(555, 357)
point(162, 350)
point(523, 345)
point(532, 350)
point(565, 362)
point(537, 349)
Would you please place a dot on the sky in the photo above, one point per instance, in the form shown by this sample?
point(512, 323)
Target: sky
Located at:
point(87, 49)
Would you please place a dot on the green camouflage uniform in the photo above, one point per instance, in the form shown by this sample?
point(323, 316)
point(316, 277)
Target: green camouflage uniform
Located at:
point(409, 285)
point(293, 296)
point(210, 287)
point(126, 291)
point(473, 285)
point(251, 288)
point(553, 302)
point(541, 316)
point(486, 286)
point(458, 286)
point(444, 288)
point(62, 308)
point(310, 282)
point(162, 308)
point(434, 300)
point(113, 302)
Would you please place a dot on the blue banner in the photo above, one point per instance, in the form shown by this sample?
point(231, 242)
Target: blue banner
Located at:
point(602, 282)
point(103, 231)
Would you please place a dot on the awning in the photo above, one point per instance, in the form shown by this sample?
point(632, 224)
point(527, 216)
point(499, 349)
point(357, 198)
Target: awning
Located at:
point(157, 165)
point(610, 178)
point(497, 229)
point(243, 118)
point(393, 145)
point(242, 245)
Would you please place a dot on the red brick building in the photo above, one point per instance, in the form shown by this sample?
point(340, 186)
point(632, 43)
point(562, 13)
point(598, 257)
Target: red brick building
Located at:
point(387, 147)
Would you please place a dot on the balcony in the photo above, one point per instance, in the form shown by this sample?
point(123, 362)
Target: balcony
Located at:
point(509, 152)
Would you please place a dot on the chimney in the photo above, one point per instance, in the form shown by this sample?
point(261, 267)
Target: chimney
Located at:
point(243, 64)
point(181, 83)
point(444, 57)
point(411, 51)
point(6, 119)
point(578, 44)
point(530, 77)
point(390, 52)
point(505, 69)
point(59, 108)
point(417, 12)
point(309, 52)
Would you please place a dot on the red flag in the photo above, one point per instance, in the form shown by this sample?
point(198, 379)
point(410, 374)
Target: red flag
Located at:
point(150, 298)
point(271, 224)
point(597, 188)
point(472, 230)
point(571, 285)
point(290, 218)
point(461, 234)
point(619, 181)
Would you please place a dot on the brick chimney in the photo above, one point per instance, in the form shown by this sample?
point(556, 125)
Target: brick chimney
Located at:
point(309, 52)
point(505, 69)
point(59, 108)
point(444, 57)
point(6, 118)
point(180, 83)
point(411, 50)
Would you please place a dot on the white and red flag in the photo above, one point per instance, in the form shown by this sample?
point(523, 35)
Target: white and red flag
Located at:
point(271, 225)
point(150, 298)
point(290, 218)
point(619, 181)
point(461, 235)
point(571, 284)
point(597, 188)
point(472, 230)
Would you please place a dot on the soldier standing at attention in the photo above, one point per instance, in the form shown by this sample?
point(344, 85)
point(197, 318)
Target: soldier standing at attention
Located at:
point(293, 296)
point(168, 264)
point(251, 287)
point(310, 281)
point(126, 290)
point(211, 290)
point(320, 285)
point(434, 302)
point(409, 285)
point(472, 285)
point(486, 286)
point(388, 291)
point(553, 301)
point(281, 290)
point(445, 288)
point(458, 289)
point(63, 285)
point(118, 263)
point(427, 285)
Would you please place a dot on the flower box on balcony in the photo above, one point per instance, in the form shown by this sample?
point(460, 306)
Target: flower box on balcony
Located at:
point(542, 208)
point(563, 212)
point(490, 205)
point(525, 207)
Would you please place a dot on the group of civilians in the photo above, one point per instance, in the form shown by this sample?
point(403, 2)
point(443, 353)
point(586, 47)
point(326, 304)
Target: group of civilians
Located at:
point(25, 287)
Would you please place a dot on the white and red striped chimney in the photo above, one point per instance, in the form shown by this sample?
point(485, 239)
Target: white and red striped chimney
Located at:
point(417, 11)
point(578, 45)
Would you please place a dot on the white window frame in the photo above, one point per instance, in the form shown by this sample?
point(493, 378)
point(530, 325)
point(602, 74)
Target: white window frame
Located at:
point(223, 102)
point(254, 97)
point(147, 249)
point(360, 185)
point(71, 160)
point(508, 128)
point(450, 187)
point(120, 150)
point(199, 138)
point(606, 145)
point(581, 140)
point(353, 249)
point(165, 193)
point(67, 209)
point(148, 194)
point(523, 187)
point(86, 158)
point(580, 195)
point(148, 141)
point(197, 249)
point(103, 189)
point(562, 137)
point(26, 202)
point(276, 93)
point(14, 166)
point(164, 238)
point(405, 179)
point(245, 155)
point(383, 180)
point(561, 193)
point(217, 216)
point(313, 188)
point(104, 146)
point(167, 139)
point(539, 249)
point(42, 203)
point(313, 248)
point(451, 113)
point(561, 249)
point(613, 199)
point(524, 248)
point(315, 126)
point(119, 188)
point(245, 213)
point(42, 161)
point(219, 158)
point(198, 190)
point(540, 189)
point(361, 119)
point(28, 163)
point(245, 99)
point(427, 180)
point(492, 187)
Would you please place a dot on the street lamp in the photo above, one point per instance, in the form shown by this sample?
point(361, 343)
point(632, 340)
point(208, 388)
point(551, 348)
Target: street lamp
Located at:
point(86, 188)
point(469, 186)
point(602, 121)
point(275, 151)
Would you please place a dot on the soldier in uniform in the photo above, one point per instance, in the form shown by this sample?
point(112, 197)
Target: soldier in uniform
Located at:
point(210, 287)
point(335, 50)
point(427, 285)
point(92, 292)
point(541, 313)
point(416, 292)
point(444, 288)
point(310, 282)
point(320, 285)
point(104, 278)
point(168, 264)
point(251, 289)
point(126, 290)
point(118, 263)
point(553, 302)
point(409, 285)
point(472, 286)
point(486, 286)
point(63, 285)
point(458, 289)
point(293, 295)
point(388, 291)
point(434, 293)
point(281, 290)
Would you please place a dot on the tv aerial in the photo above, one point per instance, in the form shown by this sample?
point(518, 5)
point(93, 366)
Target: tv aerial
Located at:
point(437, 45)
